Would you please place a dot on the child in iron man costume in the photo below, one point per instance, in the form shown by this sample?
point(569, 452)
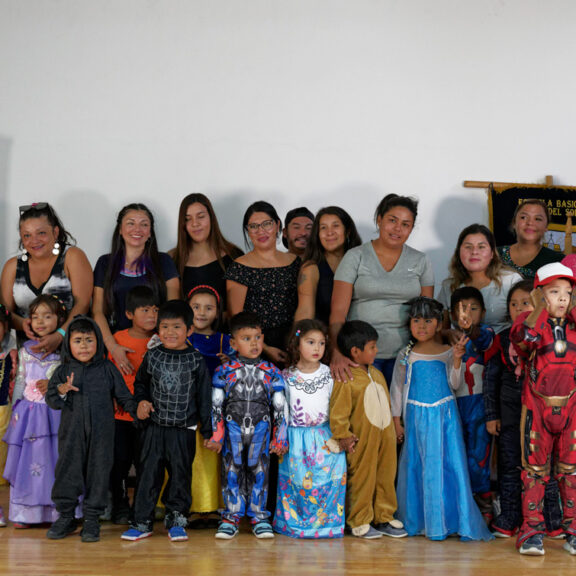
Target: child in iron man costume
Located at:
point(546, 338)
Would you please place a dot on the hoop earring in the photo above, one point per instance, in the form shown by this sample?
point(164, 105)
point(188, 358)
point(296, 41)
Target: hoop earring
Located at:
point(56, 249)
point(24, 255)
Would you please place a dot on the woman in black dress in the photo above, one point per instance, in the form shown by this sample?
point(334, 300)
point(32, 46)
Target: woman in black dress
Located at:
point(264, 280)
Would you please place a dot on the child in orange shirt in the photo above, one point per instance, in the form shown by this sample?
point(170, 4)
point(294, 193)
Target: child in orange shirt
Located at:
point(142, 311)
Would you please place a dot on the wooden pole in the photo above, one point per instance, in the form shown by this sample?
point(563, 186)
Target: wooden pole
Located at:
point(487, 184)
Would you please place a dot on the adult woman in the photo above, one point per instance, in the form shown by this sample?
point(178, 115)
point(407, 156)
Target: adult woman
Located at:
point(529, 224)
point(202, 254)
point(134, 260)
point(264, 280)
point(49, 264)
point(374, 281)
point(476, 263)
point(333, 234)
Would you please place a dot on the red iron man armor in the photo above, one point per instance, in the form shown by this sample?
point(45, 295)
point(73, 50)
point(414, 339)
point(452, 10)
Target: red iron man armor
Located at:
point(548, 424)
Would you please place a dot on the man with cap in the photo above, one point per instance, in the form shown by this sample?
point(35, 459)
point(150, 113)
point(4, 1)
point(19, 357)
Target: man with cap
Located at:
point(546, 338)
point(297, 230)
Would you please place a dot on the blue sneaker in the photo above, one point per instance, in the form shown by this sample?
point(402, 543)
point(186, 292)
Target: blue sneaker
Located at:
point(263, 530)
point(177, 534)
point(134, 534)
point(226, 531)
point(533, 546)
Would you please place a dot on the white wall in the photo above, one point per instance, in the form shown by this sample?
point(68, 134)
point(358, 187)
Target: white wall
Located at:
point(105, 102)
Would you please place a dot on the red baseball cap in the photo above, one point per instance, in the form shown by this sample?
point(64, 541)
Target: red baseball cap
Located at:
point(551, 272)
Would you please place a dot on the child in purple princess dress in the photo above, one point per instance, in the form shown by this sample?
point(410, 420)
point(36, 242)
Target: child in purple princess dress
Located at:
point(32, 435)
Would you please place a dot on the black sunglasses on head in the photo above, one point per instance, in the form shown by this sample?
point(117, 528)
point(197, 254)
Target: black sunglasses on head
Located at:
point(35, 206)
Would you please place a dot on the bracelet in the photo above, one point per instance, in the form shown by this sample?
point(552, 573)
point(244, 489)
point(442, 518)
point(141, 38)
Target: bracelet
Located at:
point(62, 332)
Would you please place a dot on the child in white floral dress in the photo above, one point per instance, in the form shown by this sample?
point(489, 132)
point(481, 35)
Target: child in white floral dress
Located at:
point(312, 478)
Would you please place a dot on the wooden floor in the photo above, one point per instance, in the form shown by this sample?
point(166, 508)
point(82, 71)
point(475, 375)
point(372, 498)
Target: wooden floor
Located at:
point(29, 553)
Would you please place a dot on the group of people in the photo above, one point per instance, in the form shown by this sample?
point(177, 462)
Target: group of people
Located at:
point(277, 384)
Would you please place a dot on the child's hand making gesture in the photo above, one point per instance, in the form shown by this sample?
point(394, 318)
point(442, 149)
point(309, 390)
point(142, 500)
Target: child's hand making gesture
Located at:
point(465, 322)
point(459, 349)
point(67, 386)
point(464, 316)
point(539, 302)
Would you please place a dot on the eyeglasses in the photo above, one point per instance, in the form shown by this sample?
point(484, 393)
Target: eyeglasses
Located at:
point(35, 206)
point(267, 225)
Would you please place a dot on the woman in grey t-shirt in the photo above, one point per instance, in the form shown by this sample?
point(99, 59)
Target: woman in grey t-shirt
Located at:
point(374, 280)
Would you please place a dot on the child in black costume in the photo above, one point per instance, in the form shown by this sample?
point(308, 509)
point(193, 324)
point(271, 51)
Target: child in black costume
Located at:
point(172, 389)
point(84, 387)
point(503, 381)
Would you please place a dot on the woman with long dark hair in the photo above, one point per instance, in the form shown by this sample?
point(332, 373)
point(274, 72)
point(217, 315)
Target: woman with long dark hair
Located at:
point(333, 234)
point(476, 263)
point(202, 253)
point(529, 225)
point(134, 260)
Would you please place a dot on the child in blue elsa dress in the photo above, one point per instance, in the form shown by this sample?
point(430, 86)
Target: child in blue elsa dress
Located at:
point(434, 494)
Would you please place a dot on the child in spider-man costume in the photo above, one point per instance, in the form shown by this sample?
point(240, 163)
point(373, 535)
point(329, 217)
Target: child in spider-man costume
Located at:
point(547, 339)
point(468, 309)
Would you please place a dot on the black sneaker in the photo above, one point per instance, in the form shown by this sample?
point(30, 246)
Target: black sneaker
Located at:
point(63, 527)
point(90, 531)
point(121, 518)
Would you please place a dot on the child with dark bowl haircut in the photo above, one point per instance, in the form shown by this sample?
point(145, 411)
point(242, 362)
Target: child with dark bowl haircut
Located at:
point(172, 389)
point(142, 311)
point(361, 422)
point(84, 387)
